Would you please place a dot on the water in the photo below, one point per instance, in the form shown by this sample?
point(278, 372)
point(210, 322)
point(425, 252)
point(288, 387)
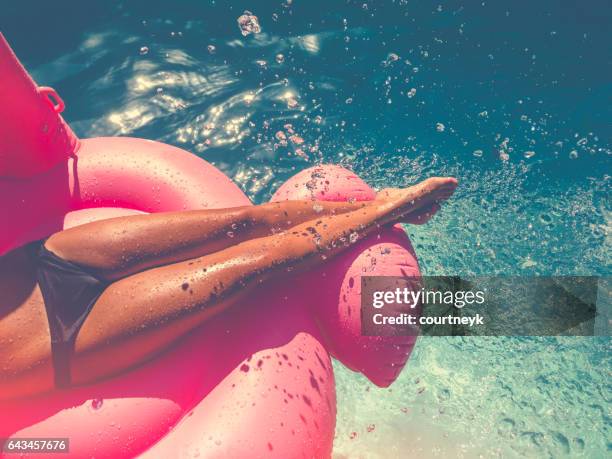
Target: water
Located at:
point(512, 99)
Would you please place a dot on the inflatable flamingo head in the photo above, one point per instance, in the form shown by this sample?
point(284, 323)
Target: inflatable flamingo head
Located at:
point(33, 135)
point(334, 291)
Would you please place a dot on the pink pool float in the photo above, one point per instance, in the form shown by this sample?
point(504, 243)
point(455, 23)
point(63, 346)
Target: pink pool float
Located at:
point(255, 381)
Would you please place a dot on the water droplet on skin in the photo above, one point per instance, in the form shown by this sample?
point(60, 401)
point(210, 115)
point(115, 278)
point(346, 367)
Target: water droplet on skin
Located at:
point(96, 403)
point(248, 24)
point(317, 208)
point(144, 50)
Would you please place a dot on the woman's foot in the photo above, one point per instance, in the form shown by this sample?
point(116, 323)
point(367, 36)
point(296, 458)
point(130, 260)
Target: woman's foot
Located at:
point(418, 203)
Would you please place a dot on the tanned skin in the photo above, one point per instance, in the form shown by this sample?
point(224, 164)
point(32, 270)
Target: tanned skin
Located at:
point(170, 272)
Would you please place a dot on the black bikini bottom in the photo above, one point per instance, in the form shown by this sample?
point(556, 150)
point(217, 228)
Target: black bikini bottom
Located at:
point(69, 292)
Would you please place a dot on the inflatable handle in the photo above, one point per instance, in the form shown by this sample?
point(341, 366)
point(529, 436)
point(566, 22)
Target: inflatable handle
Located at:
point(53, 98)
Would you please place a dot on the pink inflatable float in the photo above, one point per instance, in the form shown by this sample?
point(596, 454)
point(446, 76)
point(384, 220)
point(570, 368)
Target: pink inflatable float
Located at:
point(257, 380)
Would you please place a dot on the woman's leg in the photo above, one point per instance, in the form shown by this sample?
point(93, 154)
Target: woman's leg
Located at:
point(141, 314)
point(119, 247)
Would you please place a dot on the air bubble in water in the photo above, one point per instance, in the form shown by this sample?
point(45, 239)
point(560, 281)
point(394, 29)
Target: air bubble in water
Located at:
point(317, 208)
point(529, 154)
point(391, 58)
point(211, 49)
point(248, 24)
point(440, 127)
point(280, 58)
point(573, 154)
point(546, 219)
point(144, 50)
point(296, 139)
point(353, 237)
point(411, 93)
point(477, 153)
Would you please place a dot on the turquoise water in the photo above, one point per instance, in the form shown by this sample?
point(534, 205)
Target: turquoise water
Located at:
point(512, 99)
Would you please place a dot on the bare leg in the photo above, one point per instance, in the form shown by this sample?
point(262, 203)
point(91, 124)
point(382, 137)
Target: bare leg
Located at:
point(142, 314)
point(118, 247)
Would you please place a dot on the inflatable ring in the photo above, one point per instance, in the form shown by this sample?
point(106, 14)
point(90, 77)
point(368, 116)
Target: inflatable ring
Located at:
point(255, 381)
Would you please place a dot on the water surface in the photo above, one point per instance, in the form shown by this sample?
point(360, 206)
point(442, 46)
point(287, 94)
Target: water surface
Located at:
point(512, 99)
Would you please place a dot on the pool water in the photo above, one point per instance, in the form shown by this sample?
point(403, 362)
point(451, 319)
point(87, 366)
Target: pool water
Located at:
point(512, 99)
